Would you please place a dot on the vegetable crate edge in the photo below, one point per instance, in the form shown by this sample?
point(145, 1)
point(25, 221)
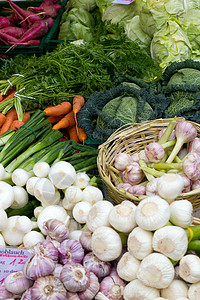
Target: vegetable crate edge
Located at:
point(132, 138)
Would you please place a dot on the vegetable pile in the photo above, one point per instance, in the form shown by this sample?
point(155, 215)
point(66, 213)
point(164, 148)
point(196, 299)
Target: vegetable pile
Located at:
point(27, 26)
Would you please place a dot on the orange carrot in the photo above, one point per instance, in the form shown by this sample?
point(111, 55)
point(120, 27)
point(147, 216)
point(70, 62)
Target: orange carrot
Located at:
point(26, 117)
point(60, 109)
point(77, 103)
point(67, 121)
point(16, 124)
point(81, 134)
point(1, 97)
point(55, 119)
point(9, 96)
point(2, 119)
point(10, 117)
point(73, 134)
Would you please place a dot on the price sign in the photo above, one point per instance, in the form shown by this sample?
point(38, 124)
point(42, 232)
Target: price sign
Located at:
point(122, 1)
point(12, 260)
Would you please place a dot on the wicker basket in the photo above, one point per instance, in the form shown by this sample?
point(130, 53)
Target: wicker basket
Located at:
point(132, 138)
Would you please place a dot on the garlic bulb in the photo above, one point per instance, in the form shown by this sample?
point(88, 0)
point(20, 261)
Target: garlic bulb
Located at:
point(48, 287)
point(170, 186)
point(48, 249)
point(100, 296)
point(194, 291)
point(156, 270)
point(137, 290)
point(106, 243)
point(92, 194)
point(171, 241)
point(31, 238)
point(112, 287)
point(72, 296)
point(86, 239)
point(151, 187)
point(139, 243)
point(3, 218)
point(82, 180)
point(71, 251)
point(181, 213)
point(122, 217)
point(189, 267)
point(17, 283)
point(73, 195)
point(99, 215)
point(122, 160)
point(4, 293)
point(177, 288)
point(56, 230)
point(75, 277)
point(128, 266)
point(152, 213)
point(80, 211)
point(92, 290)
point(98, 267)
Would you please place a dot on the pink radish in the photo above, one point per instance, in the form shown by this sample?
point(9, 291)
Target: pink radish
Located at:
point(4, 22)
point(47, 3)
point(31, 42)
point(16, 32)
point(48, 11)
point(36, 31)
point(50, 21)
point(8, 38)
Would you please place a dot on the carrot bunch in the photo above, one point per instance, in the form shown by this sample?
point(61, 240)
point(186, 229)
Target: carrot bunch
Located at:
point(64, 117)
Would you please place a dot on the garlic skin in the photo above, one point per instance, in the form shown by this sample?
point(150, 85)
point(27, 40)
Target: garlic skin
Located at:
point(189, 267)
point(17, 283)
point(139, 243)
point(132, 174)
point(48, 287)
point(31, 238)
point(151, 187)
point(71, 251)
point(127, 267)
point(170, 186)
point(99, 215)
point(95, 265)
point(73, 195)
point(112, 287)
point(191, 166)
point(137, 189)
point(194, 145)
point(75, 235)
point(122, 160)
point(152, 213)
point(92, 290)
point(4, 293)
point(82, 180)
point(122, 217)
point(56, 230)
point(38, 266)
point(92, 194)
point(171, 241)
point(194, 291)
point(72, 296)
point(80, 211)
point(86, 239)
point(75, 277)
point(26, 295)
point(156, 270)
point(57, 270)
point(106, 243)
point(181, 213)
point(48, 249)
point(137, 290)
point(187, 183)
point(154, 152)
point(177, 288)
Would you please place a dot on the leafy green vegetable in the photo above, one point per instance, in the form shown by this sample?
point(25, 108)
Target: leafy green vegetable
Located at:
point(170, 44)
point(191, 22)
point(185, 76)
point(88, 5)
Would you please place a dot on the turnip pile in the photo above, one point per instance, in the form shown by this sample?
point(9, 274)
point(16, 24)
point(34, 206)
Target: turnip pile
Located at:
point(28, 26)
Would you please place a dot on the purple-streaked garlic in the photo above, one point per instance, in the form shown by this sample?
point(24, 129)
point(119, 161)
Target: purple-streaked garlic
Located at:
point(125, 186)
point(171, 137)
point(26, 295)
point(154, 152)
point(72, 296)
point(98, 267)
point(195, 184)
point(57, 270)
point(47, 248)
point(92, 290)
point(75, 277)
point(143, 156)
point(135, 157)
point(187, 184)
point(17, 283)
point(85, 239)
point(48, 287)
point(132, 174)
point(38, 266)
point(122, 160)
point(4, 293)
point(191, 166)
point(56, 230)
point(71, 251)
point(194, 145)
point(137, 190)
point(112, 287)
point(185, 132)
point(151, 187)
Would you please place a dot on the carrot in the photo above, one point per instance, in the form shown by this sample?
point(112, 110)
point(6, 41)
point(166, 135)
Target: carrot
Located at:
point(9, 96)
point(2, 119)
point(77, 103)
point(16, 124)
point(55, 119)
point(81, 134)
point(73, 134)
point(1, 97)
point(10, 117)
point(26, 117)
point(67, 121)
point(58, 110)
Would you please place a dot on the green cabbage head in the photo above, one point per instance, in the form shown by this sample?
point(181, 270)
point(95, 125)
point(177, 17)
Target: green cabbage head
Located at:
point(76, 24)
point(191, 23)
point(135, 32)
point(88, 5)
point(118, 13)
point(170, 44)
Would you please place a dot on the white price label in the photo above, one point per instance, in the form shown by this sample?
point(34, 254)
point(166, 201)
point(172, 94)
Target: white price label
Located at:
point(122, 1)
